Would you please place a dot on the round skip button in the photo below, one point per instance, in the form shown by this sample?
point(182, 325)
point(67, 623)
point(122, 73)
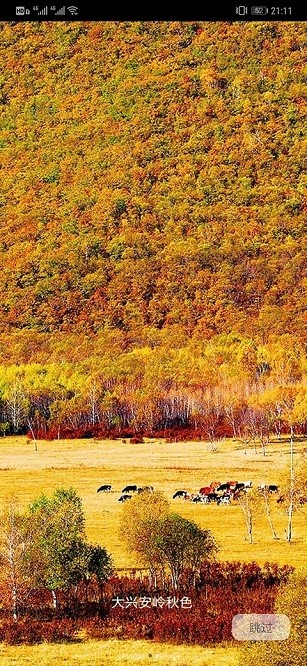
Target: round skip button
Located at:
point(261, 627)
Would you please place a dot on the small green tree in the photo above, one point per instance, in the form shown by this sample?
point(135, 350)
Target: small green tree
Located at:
point(167, 543)
point(100, 566)
point(181, 545)
point(139, 522)
point(56, 553)
point(4, 428)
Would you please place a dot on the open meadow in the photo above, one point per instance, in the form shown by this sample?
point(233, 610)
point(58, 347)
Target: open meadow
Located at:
point(86, 464)
point(118, 653)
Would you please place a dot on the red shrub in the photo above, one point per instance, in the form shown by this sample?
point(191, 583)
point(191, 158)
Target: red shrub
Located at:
point(32, 631)
point(59, 631)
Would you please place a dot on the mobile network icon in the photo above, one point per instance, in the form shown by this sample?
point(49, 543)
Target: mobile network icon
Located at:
point(22, 11)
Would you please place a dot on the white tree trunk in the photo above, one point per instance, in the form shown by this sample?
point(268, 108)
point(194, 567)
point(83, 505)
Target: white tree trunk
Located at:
point(33, 434)
point(54, 599)
point(250, 525)
point(290, 513)
point(268, 513)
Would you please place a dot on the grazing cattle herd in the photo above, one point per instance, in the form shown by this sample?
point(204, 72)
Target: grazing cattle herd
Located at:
point(220, 493)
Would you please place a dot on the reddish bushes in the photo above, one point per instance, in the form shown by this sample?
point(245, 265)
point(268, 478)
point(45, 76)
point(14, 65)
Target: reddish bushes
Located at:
point(32, 631)
point(221, 591)
point(136, 440)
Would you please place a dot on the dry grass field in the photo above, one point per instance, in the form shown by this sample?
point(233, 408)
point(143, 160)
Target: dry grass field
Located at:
point(118, 653)
point(86, 464)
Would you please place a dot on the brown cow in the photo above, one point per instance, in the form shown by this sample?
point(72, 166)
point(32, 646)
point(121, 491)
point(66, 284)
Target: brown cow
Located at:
point(215, 484)
point(205, 490)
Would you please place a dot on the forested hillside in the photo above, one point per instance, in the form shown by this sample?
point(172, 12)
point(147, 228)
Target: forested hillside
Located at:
point(153, 216)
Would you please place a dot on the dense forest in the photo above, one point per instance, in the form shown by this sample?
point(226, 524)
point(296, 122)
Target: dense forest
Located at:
point(153, 216)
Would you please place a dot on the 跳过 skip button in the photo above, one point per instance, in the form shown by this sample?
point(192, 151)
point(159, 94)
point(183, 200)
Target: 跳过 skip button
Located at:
point(261, 627)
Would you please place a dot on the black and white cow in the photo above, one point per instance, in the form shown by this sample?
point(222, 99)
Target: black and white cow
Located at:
point(224, 500)
point(129, 489)
point(238, 487)
point(272, 487)
point(180, 493)
point(104, 489)
point(212, 497)
point(123, 498)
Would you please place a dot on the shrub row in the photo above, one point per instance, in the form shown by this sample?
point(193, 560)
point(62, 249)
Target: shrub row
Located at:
point(222, 591)
point(31, 631)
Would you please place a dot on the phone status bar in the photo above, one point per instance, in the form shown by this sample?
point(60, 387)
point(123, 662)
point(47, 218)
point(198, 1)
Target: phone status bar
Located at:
point(89, 11)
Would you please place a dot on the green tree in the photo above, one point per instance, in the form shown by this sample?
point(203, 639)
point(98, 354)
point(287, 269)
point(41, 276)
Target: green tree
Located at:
point(13, 571)
point(56, 556)
point(167, 543)
point(139, 521)
point(181, 545)
point(100, 566)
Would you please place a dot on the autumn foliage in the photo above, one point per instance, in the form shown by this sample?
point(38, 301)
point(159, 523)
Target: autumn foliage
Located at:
point(222, 591)
point(152, 223)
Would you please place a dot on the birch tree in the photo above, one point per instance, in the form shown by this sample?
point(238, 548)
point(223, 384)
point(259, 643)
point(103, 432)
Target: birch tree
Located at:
point(267, 507)
point(56, 537)
point(245, 503)
point(284, 398)
point(12, 547)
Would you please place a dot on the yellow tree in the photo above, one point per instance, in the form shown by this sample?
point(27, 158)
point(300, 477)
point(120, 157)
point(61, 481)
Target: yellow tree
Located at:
point(138, 520)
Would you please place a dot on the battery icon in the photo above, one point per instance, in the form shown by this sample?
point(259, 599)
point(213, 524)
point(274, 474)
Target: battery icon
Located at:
point(259, 11)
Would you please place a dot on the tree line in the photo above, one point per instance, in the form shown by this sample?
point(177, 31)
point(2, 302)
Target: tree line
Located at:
point(227, 386)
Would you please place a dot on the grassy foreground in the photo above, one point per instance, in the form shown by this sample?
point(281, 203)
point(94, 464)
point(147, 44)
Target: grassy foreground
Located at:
point(118, 653)
point(86, 464)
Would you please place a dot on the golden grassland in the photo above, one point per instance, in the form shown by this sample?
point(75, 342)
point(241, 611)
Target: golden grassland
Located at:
point(86, 464)
point(121, 653)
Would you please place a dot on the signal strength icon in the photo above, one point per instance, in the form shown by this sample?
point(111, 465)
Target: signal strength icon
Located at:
point(43, 12)
point(73, 10)
point(60, 12)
